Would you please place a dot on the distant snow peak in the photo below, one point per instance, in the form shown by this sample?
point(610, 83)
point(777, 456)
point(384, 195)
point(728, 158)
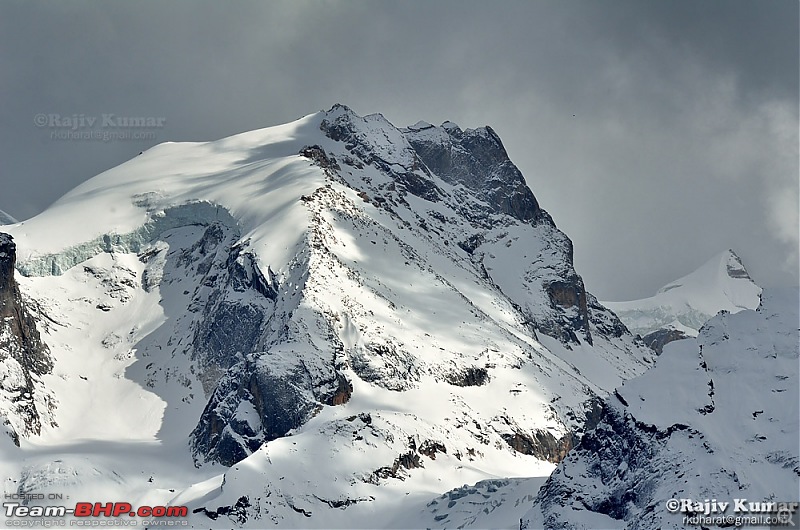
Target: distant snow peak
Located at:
point(681, 307)
point(420, 125)
point(449, 126)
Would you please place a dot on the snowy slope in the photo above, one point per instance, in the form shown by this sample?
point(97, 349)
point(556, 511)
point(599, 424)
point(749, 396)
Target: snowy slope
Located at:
point(721, 284)
point(6, 219)
point(309, 325)
point(717, 417)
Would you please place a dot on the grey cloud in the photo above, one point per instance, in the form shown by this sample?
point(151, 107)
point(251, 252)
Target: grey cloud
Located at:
point(683, 140)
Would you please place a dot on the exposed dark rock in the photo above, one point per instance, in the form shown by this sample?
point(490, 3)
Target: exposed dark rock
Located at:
point(570, 322)
point(23, 354)
point(471, 244)
point(735, 267)
point(568, 295)
point(477, 159)
point(344, 503)
point(229, 328)
point(410, 459)
point(250, 405)
point(345, 128)
point(593, 411)
point(365, 418)
point(8, 259)
point(343, 392)
point(471, 376)
point(237, 512)
point(540, 443)
point(386, 365)
point(604, 320)
point(418, 185)
point(622, 454)
point(660, 338)
point(245, 274)
point(319, 156)
point(430, 448)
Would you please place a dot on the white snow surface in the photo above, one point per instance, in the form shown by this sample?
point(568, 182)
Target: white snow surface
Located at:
point(117, 322)
point(726, 406)
point(721, 284)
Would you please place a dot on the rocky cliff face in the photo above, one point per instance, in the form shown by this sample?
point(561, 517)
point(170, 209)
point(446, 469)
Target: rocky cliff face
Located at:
point(24, 357)
point(476, 159)
point(656, 340)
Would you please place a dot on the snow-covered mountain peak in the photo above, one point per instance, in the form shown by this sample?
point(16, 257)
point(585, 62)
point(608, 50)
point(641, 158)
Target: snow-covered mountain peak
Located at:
point(684, 305)
point(718, 273)
point(333, 298)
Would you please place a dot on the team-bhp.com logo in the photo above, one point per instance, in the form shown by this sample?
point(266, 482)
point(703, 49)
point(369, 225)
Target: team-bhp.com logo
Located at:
point(15, 510)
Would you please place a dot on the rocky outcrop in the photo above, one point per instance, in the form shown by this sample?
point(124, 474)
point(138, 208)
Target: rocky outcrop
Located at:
point(24, 357)
point(618, 453)
point(250, 405)
point(470, 376)
point(660, 338)
point(540, 443)
point(476, 159)
point(735, 268)
point(392, 155)
point(570, 295)
point(261, 375)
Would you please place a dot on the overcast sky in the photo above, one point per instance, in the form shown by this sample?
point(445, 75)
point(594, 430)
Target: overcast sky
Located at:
point(656, 133)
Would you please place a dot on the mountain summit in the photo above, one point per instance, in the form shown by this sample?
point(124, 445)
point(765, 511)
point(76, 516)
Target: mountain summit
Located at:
point(681, 307)
point(337, 302)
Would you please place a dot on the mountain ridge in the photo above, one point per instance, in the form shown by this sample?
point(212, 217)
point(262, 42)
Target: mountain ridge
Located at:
point(313, 292)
